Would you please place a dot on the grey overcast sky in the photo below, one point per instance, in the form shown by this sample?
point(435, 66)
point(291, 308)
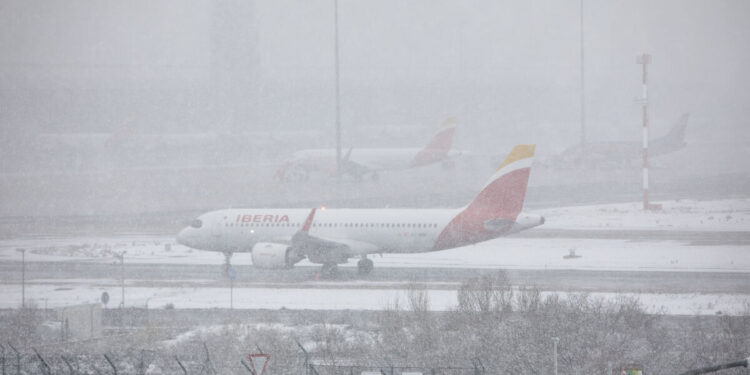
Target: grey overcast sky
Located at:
point(490, 62)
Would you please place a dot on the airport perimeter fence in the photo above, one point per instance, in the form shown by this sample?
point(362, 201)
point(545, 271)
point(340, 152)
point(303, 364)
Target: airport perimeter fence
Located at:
point(37, 361)
point(14, 361)
point(391, 370)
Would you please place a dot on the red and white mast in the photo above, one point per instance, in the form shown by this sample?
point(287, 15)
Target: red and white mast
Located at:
point(644, 60)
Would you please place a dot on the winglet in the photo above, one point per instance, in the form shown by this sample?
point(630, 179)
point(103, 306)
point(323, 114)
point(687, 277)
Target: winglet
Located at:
point(308, 222)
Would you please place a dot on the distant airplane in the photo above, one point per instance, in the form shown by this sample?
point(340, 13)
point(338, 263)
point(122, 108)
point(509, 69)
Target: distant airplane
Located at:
point(279, 238)
point(363, 161)
point(625, 151)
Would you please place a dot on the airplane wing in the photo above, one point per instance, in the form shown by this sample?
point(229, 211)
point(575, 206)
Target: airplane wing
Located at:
point(326, 250)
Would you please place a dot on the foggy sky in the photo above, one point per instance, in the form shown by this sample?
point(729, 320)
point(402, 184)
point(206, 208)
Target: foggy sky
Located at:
point(492, 62)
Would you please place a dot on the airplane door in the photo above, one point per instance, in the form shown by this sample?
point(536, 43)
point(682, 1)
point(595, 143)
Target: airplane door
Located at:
point(216, 229)
point(217, 237)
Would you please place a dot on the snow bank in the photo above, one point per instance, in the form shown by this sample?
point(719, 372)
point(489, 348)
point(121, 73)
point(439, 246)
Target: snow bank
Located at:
point(679, 215)
point(333, 299)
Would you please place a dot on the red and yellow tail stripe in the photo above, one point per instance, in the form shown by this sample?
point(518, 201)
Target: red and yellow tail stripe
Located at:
point(500, 199)
point(520, 157)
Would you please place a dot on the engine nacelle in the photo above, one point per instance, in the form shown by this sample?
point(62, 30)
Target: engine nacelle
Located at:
point(272, 255)
point(525, 221)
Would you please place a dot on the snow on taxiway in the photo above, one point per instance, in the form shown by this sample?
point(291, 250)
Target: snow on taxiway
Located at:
point(677, 215)
point(62, 294)
point(506, 252)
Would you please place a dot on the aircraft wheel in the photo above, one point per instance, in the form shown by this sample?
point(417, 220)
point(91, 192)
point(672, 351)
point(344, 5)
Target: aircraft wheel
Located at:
point(296, 174)
point(329, 271)
point(364, 266)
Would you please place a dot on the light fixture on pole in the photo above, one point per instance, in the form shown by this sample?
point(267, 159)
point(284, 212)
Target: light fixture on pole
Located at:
point(121, 257)
point(23, 277)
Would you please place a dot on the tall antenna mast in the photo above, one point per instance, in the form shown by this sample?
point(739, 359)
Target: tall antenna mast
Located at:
point(583, 88)
point(644, 60)
point(338, 106)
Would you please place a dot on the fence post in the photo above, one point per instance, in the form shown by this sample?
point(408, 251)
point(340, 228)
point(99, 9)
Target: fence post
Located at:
point(45, 366)
point(18, 359)
point(181, 366)
point(70, 367)
point(208, 365)
point(142, 363)
point(247, 367)
point(478, 366)
point(307, 358)
point(111, 364)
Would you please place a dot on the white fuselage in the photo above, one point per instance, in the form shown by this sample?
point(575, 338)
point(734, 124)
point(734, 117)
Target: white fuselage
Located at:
point(363, 230)
point(377, 159)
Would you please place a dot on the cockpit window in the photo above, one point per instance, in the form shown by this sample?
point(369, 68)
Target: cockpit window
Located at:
point(197, 223)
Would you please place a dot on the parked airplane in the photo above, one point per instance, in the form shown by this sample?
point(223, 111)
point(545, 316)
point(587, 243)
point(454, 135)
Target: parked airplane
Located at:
point(279, 238)
point(625, 151)
point(360, 162)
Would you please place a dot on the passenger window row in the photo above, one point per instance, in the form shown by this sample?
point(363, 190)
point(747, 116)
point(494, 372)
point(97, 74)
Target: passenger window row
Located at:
point(336, 225)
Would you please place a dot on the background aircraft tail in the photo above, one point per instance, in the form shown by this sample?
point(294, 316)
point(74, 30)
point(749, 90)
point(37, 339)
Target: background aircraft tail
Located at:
point(495, 209)
point(677, 133)
point(672, 141)
point(439, 146)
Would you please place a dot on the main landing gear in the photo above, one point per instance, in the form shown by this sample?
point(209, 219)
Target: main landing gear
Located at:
point(364, 266)
point(329, 271)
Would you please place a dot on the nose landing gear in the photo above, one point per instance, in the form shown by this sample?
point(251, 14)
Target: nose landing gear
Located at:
point(227, 263)
point(364, 266)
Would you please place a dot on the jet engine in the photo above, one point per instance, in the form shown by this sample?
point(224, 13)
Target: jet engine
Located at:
point(273, 255)
point(525, 221)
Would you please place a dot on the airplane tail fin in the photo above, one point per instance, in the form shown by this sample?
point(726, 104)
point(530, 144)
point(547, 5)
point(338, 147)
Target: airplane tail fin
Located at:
point(677, 133)
point(439, 146)
point(494, 210)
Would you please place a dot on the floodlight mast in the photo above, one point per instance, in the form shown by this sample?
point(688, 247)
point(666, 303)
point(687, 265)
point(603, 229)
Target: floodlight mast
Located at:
point(121, 257)
point(338, 105)
point(23, 277)
point(644, 60)
point(583, 88)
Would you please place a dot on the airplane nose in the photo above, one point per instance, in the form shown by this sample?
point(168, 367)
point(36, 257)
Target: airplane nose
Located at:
point(183, 238)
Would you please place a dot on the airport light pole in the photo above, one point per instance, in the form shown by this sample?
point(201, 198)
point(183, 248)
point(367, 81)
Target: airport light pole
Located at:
point(121, 257)
point(554, 341)
point(583, 97)
point(644, 60)
point(338, 105)
point(232, 275)
point(23, 277)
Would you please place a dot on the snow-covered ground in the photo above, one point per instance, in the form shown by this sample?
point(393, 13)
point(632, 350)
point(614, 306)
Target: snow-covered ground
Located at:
point(64, 294)
point(679, 215)
point(509, 253)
